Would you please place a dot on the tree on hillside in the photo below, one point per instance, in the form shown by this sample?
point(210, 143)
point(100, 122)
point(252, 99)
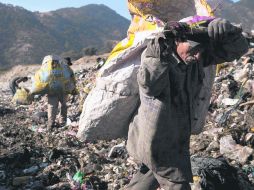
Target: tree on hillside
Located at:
point(90, 51)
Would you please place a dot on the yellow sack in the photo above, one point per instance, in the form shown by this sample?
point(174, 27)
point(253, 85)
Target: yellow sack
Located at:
point(22, 97)
point(169, 9)
point(54, 77)
point(162, 10)
point(148, 17)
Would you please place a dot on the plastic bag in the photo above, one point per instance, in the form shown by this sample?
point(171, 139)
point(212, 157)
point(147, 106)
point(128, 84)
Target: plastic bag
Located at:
point(109, 107)
point(53, 77)
point(22, 97)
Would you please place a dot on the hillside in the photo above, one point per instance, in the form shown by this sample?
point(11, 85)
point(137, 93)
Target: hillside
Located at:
point(239, 12)
point(27, 36)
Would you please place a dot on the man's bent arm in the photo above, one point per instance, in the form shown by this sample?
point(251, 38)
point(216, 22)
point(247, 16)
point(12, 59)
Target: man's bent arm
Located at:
point(153, 72)
point(232, 44)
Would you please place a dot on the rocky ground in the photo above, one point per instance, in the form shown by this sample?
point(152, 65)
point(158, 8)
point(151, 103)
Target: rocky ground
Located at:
point(32, 158)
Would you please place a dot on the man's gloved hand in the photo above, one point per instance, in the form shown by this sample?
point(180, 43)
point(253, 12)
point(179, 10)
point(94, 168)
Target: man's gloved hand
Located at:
point(220, 29)
point(175, 29)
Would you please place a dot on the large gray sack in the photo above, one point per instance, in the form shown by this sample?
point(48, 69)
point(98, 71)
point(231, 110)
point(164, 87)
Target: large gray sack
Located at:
point(109, 107)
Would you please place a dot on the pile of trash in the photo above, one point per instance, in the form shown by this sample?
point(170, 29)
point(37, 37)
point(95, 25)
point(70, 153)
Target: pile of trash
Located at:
point(229, 131)
point(32, 158)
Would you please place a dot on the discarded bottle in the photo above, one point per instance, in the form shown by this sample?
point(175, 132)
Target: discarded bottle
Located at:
point(31, 170)
point(79, 177)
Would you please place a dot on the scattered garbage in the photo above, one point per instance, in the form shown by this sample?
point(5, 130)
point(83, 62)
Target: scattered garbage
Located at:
point(79, 177)
point(35, 169)
point(216, 174)
point(249, 171)
point(40, 117)
point(117, 150)
point(36, 128)
point(55, 154)
point(17, 181)
point(2, 175)
point(229, 101)
point(229, 128)
point(231, 150)
point(31, 170)
point(4, 111)
point(71, 133)
point(32, 158)
point(68, 122)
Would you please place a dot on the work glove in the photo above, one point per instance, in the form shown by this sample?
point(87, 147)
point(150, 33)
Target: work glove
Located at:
point(175, 29)
point(220, 29)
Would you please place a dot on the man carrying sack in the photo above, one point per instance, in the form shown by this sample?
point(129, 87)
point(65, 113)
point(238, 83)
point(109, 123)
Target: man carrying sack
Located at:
point(170, 78)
